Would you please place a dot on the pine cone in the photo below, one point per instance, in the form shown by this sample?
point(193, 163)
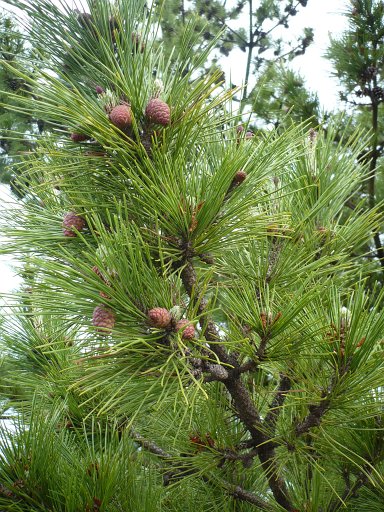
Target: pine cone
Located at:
point(78, 137)
point(103, 319)
point(97, 271)
point(138, 45)
point(187, 327)
point(159, 317)
point(70, 221)
point(249, 135)
point(99, 89)
point(158, 112)
point(239, 177)
point(84, 18)
point(114, 23)
point(121, 116)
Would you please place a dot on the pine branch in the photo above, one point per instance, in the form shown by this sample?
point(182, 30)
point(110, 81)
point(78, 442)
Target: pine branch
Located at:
point(275, 407)
point(149, 445)
point(182, 471)
point(363, 477)
point(281, 20)
point(243, 495)
point(242, 401)
point(372, 175)
point(233, 455)
point(313, 419)
point(352, 491)
point(316, 412)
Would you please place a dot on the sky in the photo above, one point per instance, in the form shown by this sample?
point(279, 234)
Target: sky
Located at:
point(325, 16)
point(8, 279)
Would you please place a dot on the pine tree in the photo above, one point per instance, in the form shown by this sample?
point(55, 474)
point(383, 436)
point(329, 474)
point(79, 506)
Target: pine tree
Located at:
point(281, 97)
point(193, 332)
point(358, 57)
point(259, 36)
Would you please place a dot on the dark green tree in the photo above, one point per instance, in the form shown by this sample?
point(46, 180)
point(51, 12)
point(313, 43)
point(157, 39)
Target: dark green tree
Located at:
point(280, 97)
point(192, 334)
point(358, 58)
point(16, 128)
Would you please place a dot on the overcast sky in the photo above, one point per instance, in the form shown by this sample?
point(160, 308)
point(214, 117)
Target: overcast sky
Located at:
point(325, 16)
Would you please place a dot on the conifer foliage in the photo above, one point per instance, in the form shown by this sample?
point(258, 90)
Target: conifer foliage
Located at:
point(192, 333)
point(14, 51)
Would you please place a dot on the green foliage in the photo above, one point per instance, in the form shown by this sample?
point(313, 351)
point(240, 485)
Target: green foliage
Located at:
point(360, 47)
point(280, 97)
point(358, 57)
point(14, 139)
point(275, 402)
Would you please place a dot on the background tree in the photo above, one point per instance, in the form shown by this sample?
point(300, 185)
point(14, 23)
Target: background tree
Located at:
point(358, 57)
point(14, 52)
point(190, 292)
point(261, 39)
point(280, 97)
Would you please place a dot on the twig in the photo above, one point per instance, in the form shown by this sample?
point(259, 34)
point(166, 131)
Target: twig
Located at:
point(242, 402)
point(182, 471)
point(275, 407)
point(149, 445)
point(316, 412)
point(352, 491)
point(313, 419)
point(240, 493)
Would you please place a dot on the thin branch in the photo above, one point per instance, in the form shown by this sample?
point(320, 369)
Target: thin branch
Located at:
point(352, 491)
point(372, 170)
point(280, 21)
point(149, 445)
point(316, 412)
point(289, 52)
point(313, 419)
point(180, 472)
point(243, 495)
point(249, 57)
point(277, 402)
point(241, 399)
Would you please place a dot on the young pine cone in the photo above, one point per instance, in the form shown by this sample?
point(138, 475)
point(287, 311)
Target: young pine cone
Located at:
point(158, 112)
point(159, 317)
point(78, 137)
point(70, 221)
point(187, 327)
point(121, 116)
point(239, 177)
point(103, 319)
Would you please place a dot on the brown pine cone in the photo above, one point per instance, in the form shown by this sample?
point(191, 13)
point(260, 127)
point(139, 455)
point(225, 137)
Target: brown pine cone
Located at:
point(158, 112)
point(159, 317)
point(187, 327)
point(103, 319)
point(121, 116)
point(78, 137)
point(70, 221)
point(239, 177)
